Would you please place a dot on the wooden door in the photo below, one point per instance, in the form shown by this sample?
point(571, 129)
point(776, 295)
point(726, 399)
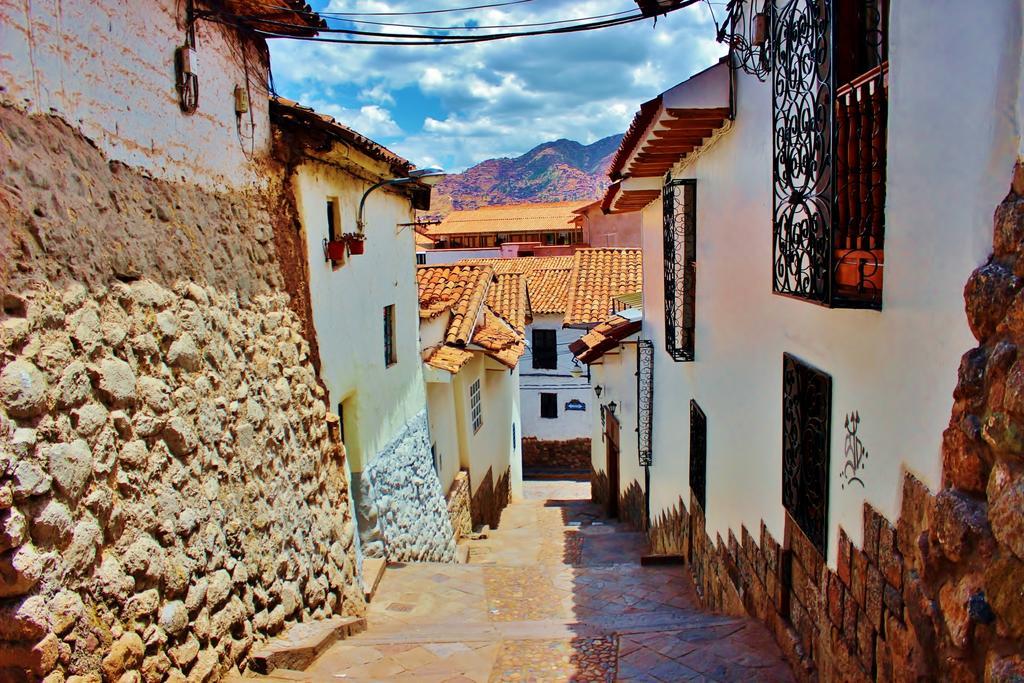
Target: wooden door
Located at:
point(611, 441)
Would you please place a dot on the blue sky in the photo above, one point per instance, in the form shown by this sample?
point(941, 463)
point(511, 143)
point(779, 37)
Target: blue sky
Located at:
point(456, 105)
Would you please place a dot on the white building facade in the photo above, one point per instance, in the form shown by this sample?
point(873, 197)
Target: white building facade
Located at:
point(805, 271)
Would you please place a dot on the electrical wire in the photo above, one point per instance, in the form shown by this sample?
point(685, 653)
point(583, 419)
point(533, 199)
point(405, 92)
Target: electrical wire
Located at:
point(429, 27)
point(419, 39)
point(416, 39)
point(421, 12)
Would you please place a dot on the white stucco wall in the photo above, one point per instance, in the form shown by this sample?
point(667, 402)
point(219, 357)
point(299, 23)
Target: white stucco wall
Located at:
point(615, 374)
point(491, 446)
point(535, 381)
point(348, 308)
point(444, 430)
point(953, 139)
point(439, 256)
point(107, 67)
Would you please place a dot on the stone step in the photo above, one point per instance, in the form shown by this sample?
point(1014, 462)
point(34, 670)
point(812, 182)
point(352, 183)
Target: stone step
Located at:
point(300, 644)
point(373, 572)
point(655, 560)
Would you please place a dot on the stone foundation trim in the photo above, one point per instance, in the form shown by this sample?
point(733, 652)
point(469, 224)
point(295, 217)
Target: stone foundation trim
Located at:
point(460, 505)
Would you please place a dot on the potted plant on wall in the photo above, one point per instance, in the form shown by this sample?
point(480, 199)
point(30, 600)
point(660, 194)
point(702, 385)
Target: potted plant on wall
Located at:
point(334, 250)
point(356, 242)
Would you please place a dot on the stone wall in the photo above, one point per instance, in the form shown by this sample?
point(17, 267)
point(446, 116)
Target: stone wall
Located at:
point(491, 498)
point(669, 531)
point(459, 505)
point(633, 506)
point(937, 596)
point(561, 455)
point(169, 496)
point(403, 509)
point(599, 487)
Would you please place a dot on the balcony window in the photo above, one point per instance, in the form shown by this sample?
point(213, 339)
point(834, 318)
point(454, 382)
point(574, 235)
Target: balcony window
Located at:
point(679, 213)
point(829, 161)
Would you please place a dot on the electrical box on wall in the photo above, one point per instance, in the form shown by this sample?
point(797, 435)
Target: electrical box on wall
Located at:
point(241, 100)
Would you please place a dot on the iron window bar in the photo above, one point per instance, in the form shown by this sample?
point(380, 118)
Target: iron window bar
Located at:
point(806, 439)
point(829, 151)
point(645, 400)
point(679, 214)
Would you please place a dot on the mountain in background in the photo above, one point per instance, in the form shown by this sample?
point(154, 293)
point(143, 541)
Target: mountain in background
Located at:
point(557, 171)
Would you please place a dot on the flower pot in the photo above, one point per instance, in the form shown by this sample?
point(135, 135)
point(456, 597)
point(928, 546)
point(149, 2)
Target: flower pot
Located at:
point(356, 246)
point(336, 250)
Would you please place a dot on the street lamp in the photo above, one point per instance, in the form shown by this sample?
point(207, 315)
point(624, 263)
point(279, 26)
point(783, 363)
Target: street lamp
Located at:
point(428, 176)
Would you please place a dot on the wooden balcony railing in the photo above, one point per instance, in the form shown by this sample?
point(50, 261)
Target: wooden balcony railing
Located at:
point(859, 225)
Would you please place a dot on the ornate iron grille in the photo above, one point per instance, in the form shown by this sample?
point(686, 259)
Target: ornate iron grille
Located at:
point(747, 31)
point(802, 87)
point(698, 453)
point(645, 399)
point(806, 426)
point(680, 246)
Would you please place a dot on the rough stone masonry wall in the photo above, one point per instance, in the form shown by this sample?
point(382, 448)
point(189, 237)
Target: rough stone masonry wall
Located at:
point(168, 494)
point(567, 454)
point(405, 502)
point(938, 595)
point(459, 505)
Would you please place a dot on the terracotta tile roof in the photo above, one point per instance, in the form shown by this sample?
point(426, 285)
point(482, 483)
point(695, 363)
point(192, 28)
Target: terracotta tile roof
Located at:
point(284, 111)
point(513, 218)
point(457, 290)
point(597, 276)
point(605, 336)
point(288, 17)
point(508, 298)
point(484, 309)
point(547, 278)
point(501, 342)
point(450, 358)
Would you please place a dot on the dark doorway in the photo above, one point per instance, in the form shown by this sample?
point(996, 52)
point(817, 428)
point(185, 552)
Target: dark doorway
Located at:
point(611, 442)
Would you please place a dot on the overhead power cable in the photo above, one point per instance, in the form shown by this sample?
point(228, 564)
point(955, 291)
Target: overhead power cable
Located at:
point(426, 11)
point(417, 39)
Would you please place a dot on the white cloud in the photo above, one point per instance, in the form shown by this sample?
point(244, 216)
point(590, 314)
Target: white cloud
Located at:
point(459, 104)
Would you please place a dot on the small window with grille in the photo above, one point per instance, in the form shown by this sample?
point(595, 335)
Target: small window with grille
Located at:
point(476, 412)
point(390, 353)
point(545, 350)
point(549, 406)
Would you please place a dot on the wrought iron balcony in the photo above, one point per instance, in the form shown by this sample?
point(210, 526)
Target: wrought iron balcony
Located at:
point(858, 237)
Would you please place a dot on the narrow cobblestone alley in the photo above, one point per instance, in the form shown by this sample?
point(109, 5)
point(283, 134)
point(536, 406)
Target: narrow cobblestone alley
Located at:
point(557, 593)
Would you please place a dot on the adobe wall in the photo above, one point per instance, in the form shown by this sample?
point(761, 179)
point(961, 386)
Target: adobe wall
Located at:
point(109, 67)
point(169, 496)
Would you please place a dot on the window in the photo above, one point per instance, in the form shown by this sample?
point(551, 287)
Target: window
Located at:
point(545, 350)
point(421, 259)
point(436, 457)
point(476, 412)
point(333, 220)
point(679, 234)
point(806, 430)
point(390, 353)
point(830, 161)
point(698, 454)
point(549, 405)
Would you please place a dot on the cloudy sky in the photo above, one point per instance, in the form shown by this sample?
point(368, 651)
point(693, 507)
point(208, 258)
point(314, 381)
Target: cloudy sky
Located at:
point(455, 105)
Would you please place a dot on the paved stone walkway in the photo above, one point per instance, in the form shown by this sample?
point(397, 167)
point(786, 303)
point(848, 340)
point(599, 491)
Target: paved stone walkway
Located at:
point(557, 593)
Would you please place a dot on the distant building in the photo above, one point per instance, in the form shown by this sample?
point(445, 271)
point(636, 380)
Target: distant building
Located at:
point(550, 224)
point(556, 396)
point(603, 229)
point(472, 325)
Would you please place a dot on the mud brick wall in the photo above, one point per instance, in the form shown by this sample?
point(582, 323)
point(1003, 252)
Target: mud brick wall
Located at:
point(491, 498)
point(568, 454)
point(169, 495)
point(459, 505)
point(937, 595)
